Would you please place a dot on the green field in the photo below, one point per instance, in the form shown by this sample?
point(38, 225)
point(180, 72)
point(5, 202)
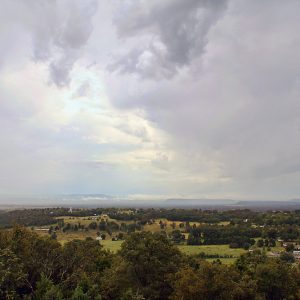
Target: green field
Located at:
point(211, 249)
point(190, 250)
point(113, 246)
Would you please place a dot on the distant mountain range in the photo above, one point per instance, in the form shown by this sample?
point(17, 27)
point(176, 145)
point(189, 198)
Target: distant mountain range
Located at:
point(269, 204)
point(102, 200)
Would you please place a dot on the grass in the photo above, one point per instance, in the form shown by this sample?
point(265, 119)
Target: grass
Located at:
point(113, 246)
point(152, 228)
point(81, 220)
point(211, 249)
point(224, 223)
point(64, 237)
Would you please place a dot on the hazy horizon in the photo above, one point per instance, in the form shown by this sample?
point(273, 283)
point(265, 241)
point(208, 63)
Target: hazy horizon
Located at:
point(190, 99)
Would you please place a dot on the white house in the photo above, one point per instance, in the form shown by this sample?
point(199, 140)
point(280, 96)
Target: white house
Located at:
point(296, 254)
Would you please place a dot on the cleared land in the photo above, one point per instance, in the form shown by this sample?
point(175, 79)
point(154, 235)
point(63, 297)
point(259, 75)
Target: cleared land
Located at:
point(114, 246)
point(211, 249)
point(221, 250)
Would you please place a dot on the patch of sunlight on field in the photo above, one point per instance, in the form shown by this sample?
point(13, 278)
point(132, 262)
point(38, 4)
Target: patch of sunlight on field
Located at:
point(81, 220)
point(187, 249)
point(277, 249)
point(89, 219)
point(113, 246)
point(224, 223)
point(211, 249)
point(79, 235)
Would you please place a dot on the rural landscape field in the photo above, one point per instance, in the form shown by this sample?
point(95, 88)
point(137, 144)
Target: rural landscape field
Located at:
point(113, 243)
point(137, 253)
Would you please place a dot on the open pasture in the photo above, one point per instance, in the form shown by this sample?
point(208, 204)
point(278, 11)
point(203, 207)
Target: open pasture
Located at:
point(211, 249)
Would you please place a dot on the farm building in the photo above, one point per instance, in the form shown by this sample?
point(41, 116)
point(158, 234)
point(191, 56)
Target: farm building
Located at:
point(296, 254)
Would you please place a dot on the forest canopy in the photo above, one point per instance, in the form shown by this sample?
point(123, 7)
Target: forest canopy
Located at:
point(148, 266)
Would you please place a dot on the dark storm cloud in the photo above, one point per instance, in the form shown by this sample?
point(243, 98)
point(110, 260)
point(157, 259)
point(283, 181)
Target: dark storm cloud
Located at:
point(168, 34)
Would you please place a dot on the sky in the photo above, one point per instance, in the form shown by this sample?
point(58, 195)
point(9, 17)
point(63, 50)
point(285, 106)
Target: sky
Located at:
point(150, 99)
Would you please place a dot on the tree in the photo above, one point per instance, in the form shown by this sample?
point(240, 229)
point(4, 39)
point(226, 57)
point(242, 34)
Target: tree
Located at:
point(212, 281)
point(83, 259)
point(246, 246)
point(260, 243)
point(277, 280)
point(38, 255)
point(46, 290)
point(290, 247)
point(120, 236)
point(287, 257)
point(272, 242)
point(93, 225)
point(177, 236)
point(50, 230)
point(130, 295)
point(12, 275)
point(272, 234)
point(102, 225)
point(117, 279)
point(248, 262)
point(79, 294)
point(54, 236)
point(151, 260)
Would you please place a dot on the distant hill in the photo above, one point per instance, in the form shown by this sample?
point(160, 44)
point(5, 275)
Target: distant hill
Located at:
point(198, 202)
point(295, 200)
point(103, 200)
point(288, 204)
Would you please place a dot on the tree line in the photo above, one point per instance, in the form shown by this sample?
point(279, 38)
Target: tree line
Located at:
point(46, 216)
point(148, 266)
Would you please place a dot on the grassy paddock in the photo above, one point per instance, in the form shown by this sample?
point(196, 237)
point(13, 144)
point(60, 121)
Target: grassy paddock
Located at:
point(113, 246)
point(187, 249)
point(211, 249)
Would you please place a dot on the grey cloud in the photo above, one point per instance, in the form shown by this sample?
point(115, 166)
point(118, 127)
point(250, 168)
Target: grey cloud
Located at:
point(227, 124)
point(59, 70)
point(83, 90)
point(58, 31)
point(237, 107)
point(149, 62)
point(169, 34)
